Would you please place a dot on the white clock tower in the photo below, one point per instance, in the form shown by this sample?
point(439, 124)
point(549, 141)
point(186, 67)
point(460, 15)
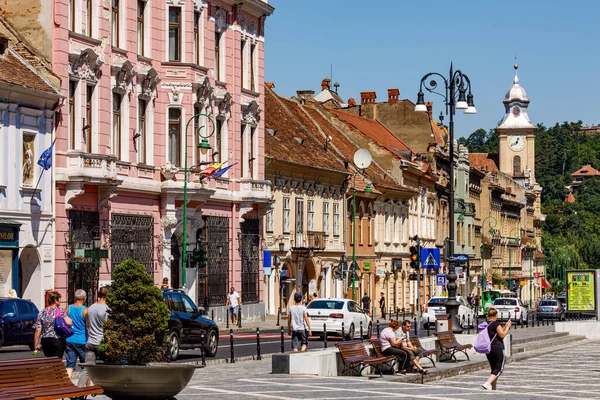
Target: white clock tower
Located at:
point(516, 137)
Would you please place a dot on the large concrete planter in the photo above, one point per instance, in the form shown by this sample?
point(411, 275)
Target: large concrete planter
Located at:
point(156, 381)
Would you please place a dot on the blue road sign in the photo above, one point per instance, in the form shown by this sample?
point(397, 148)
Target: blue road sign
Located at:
point(440, 280)
point(462, 258)
point(430, 258)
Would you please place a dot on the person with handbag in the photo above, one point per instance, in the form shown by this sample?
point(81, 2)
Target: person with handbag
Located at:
point(47, 337)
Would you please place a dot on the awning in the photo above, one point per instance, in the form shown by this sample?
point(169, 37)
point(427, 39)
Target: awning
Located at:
point(545, 284)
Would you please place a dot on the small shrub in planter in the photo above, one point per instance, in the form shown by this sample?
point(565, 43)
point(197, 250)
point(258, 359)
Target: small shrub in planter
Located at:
point(135, 331)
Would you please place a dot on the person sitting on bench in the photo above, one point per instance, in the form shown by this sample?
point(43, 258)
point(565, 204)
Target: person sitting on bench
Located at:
point(390, 345)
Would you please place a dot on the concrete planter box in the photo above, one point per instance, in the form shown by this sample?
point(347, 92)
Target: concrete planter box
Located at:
point(156, 381)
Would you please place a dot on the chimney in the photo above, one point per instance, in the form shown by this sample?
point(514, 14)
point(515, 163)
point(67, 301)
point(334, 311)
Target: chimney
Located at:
point(351, 102)
point(270, 85)
point(393, 96)
point(367, 97)
point(308, 95)
point(326, 84)
point(429, 105)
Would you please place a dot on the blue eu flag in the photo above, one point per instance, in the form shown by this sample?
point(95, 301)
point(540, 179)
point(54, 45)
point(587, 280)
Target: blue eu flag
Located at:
point(45, 160)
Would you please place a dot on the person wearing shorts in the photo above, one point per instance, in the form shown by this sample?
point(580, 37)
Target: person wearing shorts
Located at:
point(298, 324)
point(233, 303)
point(76, 343)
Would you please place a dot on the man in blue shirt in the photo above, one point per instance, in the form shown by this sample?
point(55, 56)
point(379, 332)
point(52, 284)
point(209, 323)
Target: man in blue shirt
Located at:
point(76, 343)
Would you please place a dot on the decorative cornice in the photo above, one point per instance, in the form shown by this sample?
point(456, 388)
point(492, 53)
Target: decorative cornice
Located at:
point(85, 66)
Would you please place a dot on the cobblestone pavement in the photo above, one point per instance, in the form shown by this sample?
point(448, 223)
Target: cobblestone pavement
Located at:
point(572, 373)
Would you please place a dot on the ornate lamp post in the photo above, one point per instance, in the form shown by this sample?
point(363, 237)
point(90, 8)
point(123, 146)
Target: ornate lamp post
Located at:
point(362, 160)
point(455, 97)
point(204, 146)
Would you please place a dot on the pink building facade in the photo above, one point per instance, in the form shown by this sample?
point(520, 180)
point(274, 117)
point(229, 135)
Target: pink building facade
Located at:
point(134, 74)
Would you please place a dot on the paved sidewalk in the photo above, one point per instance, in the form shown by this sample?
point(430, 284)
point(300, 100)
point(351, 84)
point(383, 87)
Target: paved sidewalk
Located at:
point(579, 379)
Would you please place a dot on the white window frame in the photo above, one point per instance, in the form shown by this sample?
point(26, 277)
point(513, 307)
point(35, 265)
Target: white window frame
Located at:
point(336, 219)
point(270, 223)
point(386, 227)
point(286, 215)
point(326, 217)
point(310, 216)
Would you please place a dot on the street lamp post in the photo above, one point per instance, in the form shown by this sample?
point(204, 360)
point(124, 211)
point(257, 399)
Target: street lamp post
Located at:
point(204, 146)
point(362, 160)
point(456, 87)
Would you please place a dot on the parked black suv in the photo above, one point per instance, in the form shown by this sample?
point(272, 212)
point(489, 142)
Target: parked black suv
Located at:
point(186, 325)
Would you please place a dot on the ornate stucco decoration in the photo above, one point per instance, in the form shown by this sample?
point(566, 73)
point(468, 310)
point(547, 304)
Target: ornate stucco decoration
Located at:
point(167, 222)
point(245, 208)
point(85, 66)
point(148, 85)
point(105, 194)
point(124, 78)
point(280, 183)
point(220, 19)
point(177, 3)
point(72, 190)
point(169, 170)
point(261, 25)
point(204, 93)
point(199, 5)
point(224, 106)
point(250, 114)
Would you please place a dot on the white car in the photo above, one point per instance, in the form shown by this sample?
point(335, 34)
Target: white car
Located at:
point(437, 305)
point(512, 308)
point(334, 312)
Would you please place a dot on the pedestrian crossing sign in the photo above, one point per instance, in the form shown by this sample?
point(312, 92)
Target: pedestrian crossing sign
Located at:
point(430, 258)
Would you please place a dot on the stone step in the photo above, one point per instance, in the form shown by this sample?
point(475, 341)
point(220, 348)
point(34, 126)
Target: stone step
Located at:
point(545, 343)
point(538, 337)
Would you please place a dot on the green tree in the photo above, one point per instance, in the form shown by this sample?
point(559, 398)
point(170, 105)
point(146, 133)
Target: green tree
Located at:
point(135, 331)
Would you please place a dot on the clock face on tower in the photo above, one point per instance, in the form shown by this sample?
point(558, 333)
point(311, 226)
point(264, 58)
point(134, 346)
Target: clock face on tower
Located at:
point(516, 142)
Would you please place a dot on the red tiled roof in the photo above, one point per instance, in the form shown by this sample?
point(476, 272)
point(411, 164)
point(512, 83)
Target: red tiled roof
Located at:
point(569, 198)
point(16, 71)
point(438, 133)
point(586, 170)
point(375, 130)
point(483, 161)
point(284, 116)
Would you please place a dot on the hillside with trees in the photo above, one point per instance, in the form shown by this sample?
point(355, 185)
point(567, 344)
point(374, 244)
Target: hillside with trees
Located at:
point(571, 235)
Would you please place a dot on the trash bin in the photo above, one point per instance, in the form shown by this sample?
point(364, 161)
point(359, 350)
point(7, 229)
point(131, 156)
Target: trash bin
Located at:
point(443, 323)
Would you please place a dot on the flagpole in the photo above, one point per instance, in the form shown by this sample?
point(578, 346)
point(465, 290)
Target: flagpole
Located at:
point(37, 184)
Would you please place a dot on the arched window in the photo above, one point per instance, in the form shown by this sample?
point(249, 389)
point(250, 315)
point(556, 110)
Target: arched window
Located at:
point(517, 165)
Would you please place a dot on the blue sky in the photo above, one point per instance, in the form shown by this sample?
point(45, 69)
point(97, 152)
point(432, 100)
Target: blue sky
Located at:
point(376, 45)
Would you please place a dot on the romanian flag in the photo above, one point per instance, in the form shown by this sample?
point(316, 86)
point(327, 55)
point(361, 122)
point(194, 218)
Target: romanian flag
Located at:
point(221, 171)
point(211, 169)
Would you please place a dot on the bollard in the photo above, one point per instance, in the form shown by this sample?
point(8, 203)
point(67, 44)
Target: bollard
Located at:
point(415, 324)
point(343, 333)
point(396, 313)
point(258, 357)
point(361, 331)
point(537, 319)
point(282, 341)
point(240, 317)
point(212, 314)
point(427, 326)
point(232, 361)
point(324, 335)
point(202, 349)
point(227, 318)
point(403, 314)
point(469, 321)
point(377, 329)
point(476, 320)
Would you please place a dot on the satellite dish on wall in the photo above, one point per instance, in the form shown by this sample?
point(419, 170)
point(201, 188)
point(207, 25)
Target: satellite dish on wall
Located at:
point(362, 158)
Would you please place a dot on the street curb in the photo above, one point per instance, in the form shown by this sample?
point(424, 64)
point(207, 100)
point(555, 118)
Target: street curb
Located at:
point(236, 359)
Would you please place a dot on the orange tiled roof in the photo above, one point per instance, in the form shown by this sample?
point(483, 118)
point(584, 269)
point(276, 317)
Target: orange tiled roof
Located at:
point(586, 170)
point(292, 142)
point(375, 130)
point(484, 161)
point(569, 198)
point(16, 71)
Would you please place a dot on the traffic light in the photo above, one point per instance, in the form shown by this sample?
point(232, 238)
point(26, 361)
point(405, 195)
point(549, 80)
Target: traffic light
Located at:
point(202, 259)
point(414, 257)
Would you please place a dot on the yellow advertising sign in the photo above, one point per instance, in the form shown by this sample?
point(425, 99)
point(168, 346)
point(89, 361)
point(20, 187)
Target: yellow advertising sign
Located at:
point(581, 291)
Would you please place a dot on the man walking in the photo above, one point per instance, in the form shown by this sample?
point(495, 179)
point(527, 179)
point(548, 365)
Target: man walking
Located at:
point(96, 315)
point(233, 304)
point(382, 305)
point(298, 324)
point(76, 343)
point(366, 303)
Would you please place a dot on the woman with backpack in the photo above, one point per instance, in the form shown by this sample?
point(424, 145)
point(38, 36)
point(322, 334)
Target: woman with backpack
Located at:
point(495, 357)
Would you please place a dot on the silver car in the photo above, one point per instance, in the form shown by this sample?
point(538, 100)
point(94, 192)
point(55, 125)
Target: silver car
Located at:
point(551, 309)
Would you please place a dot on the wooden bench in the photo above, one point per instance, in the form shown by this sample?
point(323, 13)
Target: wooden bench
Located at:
point(450, 346)
point(39, 379)
point(378, 353)
point(424, 353)
point(355, 357)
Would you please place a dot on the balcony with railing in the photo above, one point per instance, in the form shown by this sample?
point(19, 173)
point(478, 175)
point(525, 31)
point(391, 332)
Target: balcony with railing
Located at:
point(91, 167)
point(310, 240)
